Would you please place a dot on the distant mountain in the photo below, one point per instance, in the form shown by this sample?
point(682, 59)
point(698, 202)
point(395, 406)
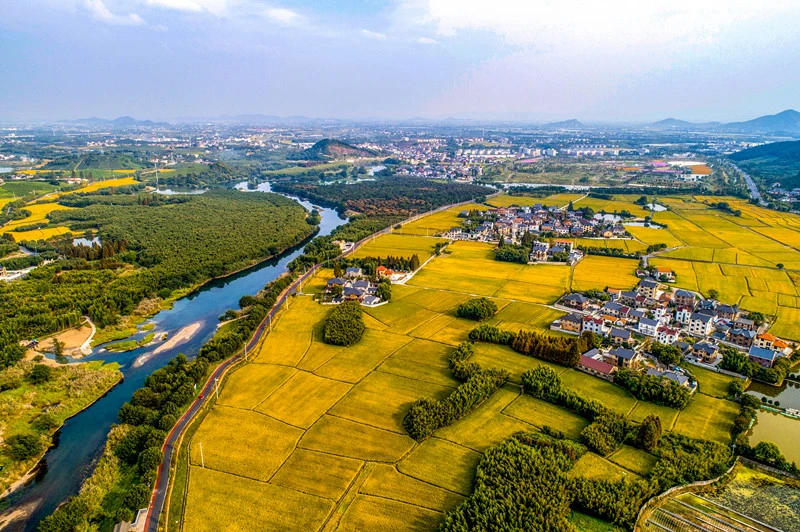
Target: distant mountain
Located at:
point(118, 123)
point(786, 123)
point(566, 124)
point(778, 161)
point(331, 149)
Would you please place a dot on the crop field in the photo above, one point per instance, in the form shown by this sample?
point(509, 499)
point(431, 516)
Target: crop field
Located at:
point(39, 212)
point(595, 272)
point(398, 245)
point(312, 434)
point(747, 503)
point(438, 222)
point(40, 234)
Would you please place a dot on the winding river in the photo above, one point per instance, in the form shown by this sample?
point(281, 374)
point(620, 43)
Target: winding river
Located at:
point(80, 442)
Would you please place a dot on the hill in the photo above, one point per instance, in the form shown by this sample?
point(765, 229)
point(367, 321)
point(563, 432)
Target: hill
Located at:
point(331, 149)
point(778, 161)
point(784, 122)
point(565, 124)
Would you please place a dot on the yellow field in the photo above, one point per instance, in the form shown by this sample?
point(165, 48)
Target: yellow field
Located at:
point(318, 429)
point(400, 244)
point(116, 182)
point(595, 272)
point(39, 234)
point(438, 222)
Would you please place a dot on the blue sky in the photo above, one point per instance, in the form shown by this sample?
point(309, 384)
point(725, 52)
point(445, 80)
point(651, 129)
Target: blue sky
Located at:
point(534, 60)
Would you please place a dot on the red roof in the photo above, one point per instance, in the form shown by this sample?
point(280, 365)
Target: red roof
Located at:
point(597, 365)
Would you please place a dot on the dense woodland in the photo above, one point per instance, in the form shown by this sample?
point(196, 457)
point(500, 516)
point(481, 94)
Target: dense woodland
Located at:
point(394, 196)
point(344, 324)
point(148, 251)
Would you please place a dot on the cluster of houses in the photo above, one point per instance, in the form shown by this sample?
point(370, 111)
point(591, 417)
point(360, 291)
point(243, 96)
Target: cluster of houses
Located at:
point(356, 287)
point(668, 317)
point(512, 223)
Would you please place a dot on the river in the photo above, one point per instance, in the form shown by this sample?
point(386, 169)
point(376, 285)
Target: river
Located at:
point(81, 440)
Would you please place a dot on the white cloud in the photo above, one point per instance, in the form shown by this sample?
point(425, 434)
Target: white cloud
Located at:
point(427, 40)
point(282, 15)
point(373, 34)
point(215, 7)
point(100, 12)
point(617, 23)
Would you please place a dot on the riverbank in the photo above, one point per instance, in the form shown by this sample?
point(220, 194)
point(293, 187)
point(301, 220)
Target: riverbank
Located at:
point(84, 436)
point(56, 403)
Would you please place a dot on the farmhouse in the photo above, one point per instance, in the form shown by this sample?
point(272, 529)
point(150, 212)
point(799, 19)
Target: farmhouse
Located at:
point(576, 301)
point(648, 288)
point(701, 324)
point(592, 363)
point(595, 325)
point(683, 298)
point(667, 335)
point(625, 357)
point(571, 322)
point(742, 337)
point(705, 351)
point(648, 327)
point(763, 356)
point(620, 336)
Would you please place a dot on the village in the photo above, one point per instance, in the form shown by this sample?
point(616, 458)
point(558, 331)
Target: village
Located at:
point(633, 325)
point(542, 228)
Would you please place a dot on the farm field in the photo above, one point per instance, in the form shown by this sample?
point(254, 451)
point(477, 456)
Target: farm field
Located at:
point(328, 420)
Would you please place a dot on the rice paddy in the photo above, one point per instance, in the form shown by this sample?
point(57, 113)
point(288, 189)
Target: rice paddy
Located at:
point(320, 427)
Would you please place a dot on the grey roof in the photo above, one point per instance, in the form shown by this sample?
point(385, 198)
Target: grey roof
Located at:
point(353, 292)
point(336, 280)
point(573, 317)
point(353, 270)
point(705, 318)
point(621, 352)
point(745, 321)
point(648, 284)
point(371, 300)
point(620, 333)
point(613, 305)
point(579, 298)
point(705, 347)
point(684, 293)
point(648, 322)
point(636, 314)
point(728, 309)
point(743, 332)
point(361, 284)
point(591, 353)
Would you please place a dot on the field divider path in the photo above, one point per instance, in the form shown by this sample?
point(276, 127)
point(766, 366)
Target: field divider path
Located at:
point(162, 484)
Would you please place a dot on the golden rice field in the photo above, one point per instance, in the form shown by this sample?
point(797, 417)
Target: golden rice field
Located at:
point(311, 435)
point(116, 182)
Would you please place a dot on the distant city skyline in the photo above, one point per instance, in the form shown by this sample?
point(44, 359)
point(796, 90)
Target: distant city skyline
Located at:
point(619, 61)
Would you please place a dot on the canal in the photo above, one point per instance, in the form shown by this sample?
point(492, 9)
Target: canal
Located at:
point(80, 442)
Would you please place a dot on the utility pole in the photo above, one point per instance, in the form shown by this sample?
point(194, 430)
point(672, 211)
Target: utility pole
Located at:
point(202, 460)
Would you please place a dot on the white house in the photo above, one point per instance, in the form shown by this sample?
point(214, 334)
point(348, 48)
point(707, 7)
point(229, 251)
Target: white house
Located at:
point(683, 314)
point(667, 335)
point(648, 327)
point(701, 324)
point(595, 325)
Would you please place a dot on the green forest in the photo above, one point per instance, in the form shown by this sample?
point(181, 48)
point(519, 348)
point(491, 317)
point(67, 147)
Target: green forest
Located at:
point(150, 249)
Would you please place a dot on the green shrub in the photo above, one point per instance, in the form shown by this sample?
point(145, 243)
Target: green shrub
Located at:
point(344, 325)
point(478, 309)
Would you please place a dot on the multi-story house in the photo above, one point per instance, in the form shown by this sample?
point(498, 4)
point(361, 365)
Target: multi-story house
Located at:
point(595, 325)
point(700, 324)
point(667, 335)
point(683, 298)
point(648, 327)
point(648, 288)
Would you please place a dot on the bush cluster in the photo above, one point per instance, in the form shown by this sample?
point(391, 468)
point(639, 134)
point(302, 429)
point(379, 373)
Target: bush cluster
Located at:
point(344, 324)
point(477, 308)
point(658, 390)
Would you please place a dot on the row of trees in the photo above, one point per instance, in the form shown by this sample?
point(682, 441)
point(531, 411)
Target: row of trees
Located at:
point(369, 264)
point(564, 351)
point(426, 415)
point(658, 390)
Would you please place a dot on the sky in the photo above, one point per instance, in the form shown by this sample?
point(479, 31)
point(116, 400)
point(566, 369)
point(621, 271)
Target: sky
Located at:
point(535, 60)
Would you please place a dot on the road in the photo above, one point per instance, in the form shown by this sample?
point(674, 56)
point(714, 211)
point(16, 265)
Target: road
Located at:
point(751, 185)
point(161, 489)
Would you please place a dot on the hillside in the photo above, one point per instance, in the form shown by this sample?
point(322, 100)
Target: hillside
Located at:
point(331, 149)
point(784, 122)
point(779, 161)
point(566, 124)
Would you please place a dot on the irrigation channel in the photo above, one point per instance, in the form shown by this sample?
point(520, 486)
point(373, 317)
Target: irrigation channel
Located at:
point(80, 442)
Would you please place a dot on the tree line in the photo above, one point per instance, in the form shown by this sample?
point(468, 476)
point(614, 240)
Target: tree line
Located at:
point(658, 390)
point(478, 384)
